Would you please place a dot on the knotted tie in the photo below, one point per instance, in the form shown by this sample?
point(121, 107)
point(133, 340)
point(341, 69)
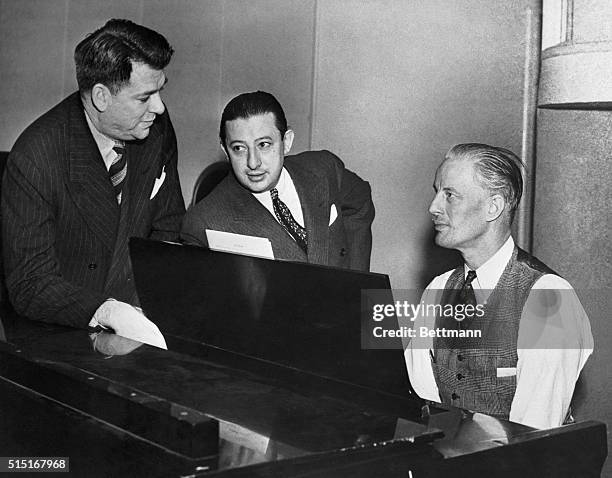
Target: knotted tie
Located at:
point(118, 169)
point(283, 214)
point(467, 295)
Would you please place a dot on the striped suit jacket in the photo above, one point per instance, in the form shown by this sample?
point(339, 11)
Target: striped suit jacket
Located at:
point(65, 238)
point(321, 180)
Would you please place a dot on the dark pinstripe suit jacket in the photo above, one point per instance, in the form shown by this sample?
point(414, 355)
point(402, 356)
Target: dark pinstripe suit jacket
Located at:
point(64, 235)
point(321, 180)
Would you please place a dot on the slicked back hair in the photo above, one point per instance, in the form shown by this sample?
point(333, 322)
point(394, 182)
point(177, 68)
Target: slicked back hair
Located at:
point(498, 169)
point(253, 104)
point(106, 55)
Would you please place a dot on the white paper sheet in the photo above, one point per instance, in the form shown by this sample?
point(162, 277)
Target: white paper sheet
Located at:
point(239, 244)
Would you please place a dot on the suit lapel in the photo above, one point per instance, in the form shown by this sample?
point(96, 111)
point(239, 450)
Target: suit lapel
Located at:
point(252, 218)
point(314, 198)
point(89, 183)
point(250, 211)
point(142, 160)
point(135, 198)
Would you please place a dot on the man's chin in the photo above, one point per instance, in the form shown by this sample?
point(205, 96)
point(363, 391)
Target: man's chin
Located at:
point(441, 241)
point(141, 134)
point(259, 188)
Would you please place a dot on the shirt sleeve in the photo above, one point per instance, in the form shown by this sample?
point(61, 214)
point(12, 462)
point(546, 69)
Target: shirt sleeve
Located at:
point(554, 343)
point(418, 352)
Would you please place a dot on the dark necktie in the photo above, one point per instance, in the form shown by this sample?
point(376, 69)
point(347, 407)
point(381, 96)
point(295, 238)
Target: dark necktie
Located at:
point(283, 214)
point(118, 169)
point(467, 295)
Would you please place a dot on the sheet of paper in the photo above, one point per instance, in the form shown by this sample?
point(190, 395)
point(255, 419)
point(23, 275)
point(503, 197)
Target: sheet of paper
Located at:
point(239, 244)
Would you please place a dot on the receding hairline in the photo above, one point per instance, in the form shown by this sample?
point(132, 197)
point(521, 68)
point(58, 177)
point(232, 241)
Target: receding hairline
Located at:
point(475, 172)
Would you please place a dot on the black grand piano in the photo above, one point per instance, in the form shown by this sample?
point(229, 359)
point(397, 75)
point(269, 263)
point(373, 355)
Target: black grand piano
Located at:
point(264, 376)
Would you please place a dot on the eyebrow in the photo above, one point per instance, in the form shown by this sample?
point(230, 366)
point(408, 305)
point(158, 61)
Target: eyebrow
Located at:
point(446, 188)
point(256, 140)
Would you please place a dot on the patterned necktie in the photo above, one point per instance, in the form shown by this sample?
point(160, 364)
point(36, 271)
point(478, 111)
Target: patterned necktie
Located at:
point(283, 214)
point(467, 295)
point(118, 169)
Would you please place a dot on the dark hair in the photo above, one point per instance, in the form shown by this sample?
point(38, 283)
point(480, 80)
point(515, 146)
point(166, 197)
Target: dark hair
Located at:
point(498, 169)
point(106, 55)
point(252, 104)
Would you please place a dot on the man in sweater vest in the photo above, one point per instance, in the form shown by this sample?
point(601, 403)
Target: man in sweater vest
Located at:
point(519, 353)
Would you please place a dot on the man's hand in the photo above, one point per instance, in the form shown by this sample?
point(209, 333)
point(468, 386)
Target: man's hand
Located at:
point(129, 322)
point(112, 344)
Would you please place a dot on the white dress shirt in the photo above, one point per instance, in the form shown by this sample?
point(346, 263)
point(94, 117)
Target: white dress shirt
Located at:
point(288, 194)
point(548, 363)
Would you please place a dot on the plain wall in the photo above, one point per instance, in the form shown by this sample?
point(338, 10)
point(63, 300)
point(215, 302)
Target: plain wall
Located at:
point(399, 83)
point(572, 218)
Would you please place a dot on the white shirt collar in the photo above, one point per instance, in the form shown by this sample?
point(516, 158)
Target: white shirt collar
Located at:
point(287, 193)
point(281, 187)
point(104, 143)
point(488, 274)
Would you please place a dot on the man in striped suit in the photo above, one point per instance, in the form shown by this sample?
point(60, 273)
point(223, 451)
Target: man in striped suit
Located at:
point(96, 169)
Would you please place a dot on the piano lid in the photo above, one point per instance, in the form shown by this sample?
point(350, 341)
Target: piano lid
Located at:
point(303, 316)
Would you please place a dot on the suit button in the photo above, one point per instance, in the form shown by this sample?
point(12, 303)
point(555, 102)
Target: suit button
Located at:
point(343, 252)
point(460, 358)
point(92, 266)
point(454, 396)
point(459, 376)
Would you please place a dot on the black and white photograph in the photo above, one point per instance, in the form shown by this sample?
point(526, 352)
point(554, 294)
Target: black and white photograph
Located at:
point(306, 238)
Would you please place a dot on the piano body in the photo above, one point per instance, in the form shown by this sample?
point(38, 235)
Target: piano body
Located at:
point(264, 377)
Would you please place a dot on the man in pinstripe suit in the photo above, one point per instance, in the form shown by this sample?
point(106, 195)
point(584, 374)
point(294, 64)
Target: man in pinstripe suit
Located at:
point(96, 169)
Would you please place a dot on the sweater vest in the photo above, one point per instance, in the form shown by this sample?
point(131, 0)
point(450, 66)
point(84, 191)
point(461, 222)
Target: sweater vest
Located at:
point(466, 368)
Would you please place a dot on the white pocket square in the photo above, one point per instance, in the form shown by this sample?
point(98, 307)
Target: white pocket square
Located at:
point(506, 371)
point(158, 183)
point(333, 214)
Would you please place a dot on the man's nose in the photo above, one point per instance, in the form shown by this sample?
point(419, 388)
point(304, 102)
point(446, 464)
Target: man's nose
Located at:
point(156, 105)
point(435, 208)
point(253, 161)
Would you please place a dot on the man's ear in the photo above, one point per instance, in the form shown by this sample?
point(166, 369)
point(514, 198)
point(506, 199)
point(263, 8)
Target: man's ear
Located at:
point(288, 140)
point(101, 97)
point(224, 150)
point(496, 204)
